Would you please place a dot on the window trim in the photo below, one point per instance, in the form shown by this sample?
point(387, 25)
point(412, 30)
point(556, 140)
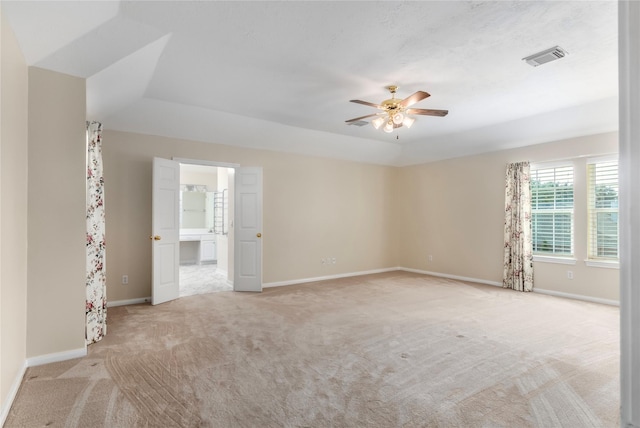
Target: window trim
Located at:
point(605, 158)
point(593, 260)
point(554, 259)
point(551, 257)
point(607, 264)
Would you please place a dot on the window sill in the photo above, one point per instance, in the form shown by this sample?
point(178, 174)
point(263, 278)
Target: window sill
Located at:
point(558, 260)
point(603, 264)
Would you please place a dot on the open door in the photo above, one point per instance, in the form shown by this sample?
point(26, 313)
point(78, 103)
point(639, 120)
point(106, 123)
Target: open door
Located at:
point(165, 223)
point(248, 229)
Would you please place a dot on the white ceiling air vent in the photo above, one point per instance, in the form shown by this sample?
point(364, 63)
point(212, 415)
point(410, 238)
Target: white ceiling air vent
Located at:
point(545, 56)
point(358, 123)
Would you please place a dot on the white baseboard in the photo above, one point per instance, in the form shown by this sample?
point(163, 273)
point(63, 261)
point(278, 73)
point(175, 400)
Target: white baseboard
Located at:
point(128, 302)
point(13, 391)
point(324, 278)
point(56, 357)
point(423, 272)
point(446, 275)
point(577, 297)
point(535, 290)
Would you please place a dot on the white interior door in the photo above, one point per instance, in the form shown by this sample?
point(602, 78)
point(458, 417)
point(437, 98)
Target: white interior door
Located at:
point(166, 230)
point(248, 229)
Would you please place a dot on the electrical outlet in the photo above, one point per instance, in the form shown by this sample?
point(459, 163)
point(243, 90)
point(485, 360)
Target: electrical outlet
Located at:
point(333, 260)
point(569, 274)
point(125, 279)
point(430, 258)
point(323, 261)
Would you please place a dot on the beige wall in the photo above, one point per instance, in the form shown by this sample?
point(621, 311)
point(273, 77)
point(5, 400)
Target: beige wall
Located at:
point(56, 215)
point(313, 208)
point(453, 210)
point(13, 213)
point(368, 217)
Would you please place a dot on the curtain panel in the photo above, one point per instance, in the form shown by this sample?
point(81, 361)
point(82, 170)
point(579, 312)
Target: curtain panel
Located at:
point(518, 246)
point(96, 285)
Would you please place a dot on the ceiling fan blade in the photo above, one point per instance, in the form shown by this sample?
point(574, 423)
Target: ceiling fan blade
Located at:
point(361, 117)
point(412, 99)
point(366, 103)
point(427, 112)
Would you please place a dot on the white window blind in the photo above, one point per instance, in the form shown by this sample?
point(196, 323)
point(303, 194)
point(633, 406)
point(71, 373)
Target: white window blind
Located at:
point(603, 209)
point(552, 210)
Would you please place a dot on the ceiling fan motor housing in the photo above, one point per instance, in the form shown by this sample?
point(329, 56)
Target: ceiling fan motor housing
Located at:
point(391, 105)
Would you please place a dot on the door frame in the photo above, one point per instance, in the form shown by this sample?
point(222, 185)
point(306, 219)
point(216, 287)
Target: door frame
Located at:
point(216, 164)
point(205, 162)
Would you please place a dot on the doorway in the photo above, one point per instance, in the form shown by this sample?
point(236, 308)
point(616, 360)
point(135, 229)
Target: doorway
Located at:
point(243, 240)
point(204, 229)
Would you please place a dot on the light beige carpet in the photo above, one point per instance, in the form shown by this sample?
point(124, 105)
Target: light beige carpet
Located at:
point(388, 350)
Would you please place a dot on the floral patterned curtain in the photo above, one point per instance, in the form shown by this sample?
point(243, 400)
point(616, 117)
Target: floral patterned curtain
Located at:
point(518, 248)
point(96, 286)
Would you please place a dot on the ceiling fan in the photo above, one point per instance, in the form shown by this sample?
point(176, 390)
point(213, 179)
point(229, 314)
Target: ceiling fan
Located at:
point(396, 113)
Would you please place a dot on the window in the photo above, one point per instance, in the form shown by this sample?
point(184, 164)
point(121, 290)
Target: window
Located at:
point(602, 182)
point(552, 210)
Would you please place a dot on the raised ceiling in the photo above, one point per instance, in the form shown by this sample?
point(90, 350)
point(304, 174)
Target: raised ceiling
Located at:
point(279, 75)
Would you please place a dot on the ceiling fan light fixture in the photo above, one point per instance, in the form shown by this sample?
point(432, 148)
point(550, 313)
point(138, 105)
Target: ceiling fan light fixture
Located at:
point(377, 123)
point(395, 113)
point(398, 118)
point(408, 121)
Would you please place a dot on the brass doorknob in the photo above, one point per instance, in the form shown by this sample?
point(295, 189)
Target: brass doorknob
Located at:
point(259, 235)
point(155, 237)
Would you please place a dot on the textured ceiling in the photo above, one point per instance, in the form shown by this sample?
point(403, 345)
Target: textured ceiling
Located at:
point(279, 75)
